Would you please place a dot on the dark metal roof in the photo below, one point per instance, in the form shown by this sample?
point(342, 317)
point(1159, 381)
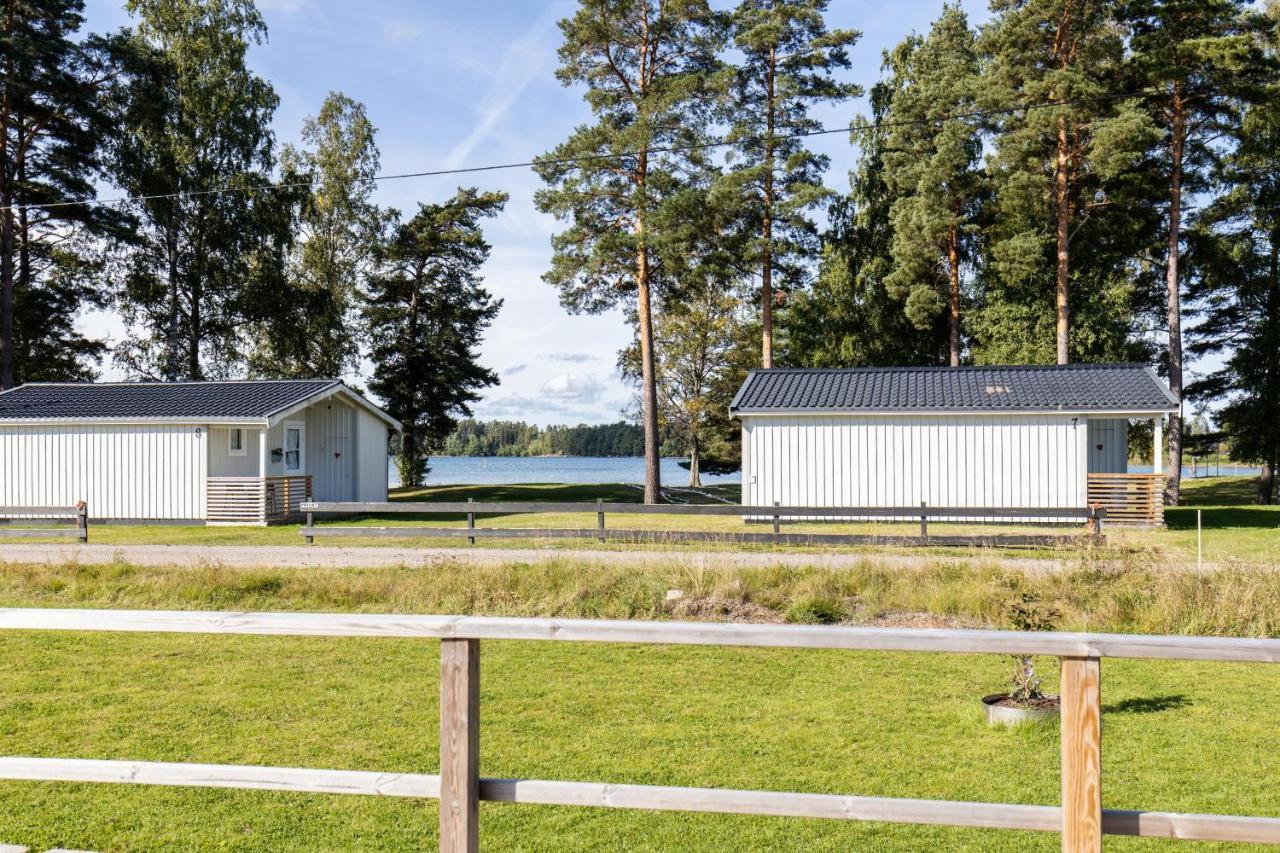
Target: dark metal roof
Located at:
point(1049, 388)
point(158, 400)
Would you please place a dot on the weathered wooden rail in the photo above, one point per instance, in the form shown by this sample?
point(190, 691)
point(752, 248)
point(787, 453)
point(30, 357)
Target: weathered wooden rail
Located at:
point(71, 521)
point(1080, 816)
point(1091, 515)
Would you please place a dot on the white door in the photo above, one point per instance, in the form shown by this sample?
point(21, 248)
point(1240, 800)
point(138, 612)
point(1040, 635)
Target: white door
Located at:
point(294, 447)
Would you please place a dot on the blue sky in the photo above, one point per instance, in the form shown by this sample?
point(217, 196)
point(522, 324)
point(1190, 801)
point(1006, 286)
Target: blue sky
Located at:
point(455, 84)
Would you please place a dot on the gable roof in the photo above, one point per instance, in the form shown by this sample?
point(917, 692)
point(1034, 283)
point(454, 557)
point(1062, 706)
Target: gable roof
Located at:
point(1130, 388)
point(233, 401)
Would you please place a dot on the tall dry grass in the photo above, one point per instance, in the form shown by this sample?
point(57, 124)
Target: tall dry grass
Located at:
point(1096, 596)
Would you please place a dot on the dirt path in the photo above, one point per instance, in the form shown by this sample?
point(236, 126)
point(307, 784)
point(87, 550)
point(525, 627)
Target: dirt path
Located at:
point(321, 556)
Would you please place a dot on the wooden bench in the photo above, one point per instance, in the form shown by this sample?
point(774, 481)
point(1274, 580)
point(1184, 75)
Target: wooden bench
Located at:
point(72, 521)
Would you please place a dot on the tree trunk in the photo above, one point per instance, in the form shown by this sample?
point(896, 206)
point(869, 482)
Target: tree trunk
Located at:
point(766, 270)
point(174, 335)
point(695, 456)
point(6, 290)
point(1173, 481)
point(648, 372)
point(1267, 483)
point(1061, 199)
point(953, 320)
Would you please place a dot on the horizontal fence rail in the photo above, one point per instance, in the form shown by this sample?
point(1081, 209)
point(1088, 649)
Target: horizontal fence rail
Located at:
point(14, 521)
point(1091, 515)
point(1080, 818)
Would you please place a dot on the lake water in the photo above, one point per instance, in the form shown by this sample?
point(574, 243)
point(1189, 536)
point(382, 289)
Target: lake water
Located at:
point(452, 470)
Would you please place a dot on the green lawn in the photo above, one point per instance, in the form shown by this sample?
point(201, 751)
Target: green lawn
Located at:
point(1178, 736)
point(1191, 737)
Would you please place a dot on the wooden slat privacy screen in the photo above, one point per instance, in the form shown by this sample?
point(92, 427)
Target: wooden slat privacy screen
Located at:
point(1128, 498)
point(1080, 817)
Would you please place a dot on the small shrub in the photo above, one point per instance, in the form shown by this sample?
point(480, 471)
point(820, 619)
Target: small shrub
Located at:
point(816, 611)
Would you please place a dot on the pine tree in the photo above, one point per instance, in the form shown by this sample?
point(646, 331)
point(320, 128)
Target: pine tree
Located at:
point(932, 167)
point(1236, 288)
point(788, 60)
point(52, 128)
point(1053, 168)
point(849, 318)
point(196, 122)
point(648, 67)
point(426, 313)
point(1196, 59)
point(310, 329)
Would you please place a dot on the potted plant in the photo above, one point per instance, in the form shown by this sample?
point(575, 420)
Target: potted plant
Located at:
point(1024, 702)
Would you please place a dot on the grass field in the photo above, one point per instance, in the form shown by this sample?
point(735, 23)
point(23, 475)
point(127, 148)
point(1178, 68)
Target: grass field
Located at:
point(1179, 736)
point(1235, 531)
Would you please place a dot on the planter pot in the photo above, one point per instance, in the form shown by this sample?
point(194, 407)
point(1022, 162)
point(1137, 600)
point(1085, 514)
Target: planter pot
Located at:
point(1003, 715)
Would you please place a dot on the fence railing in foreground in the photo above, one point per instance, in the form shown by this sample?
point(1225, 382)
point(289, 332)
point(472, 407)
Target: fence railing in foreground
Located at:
point(73, 521)
point(1091, 515)
point(1080, 817)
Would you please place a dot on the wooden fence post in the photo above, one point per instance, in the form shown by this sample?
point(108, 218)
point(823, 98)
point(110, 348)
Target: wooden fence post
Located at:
point(1081, 710)
point(459, 746)
point(776, 524)
point(82, 521)
point(600, 520)
point(471, 522)
point(309, 539)
point(924, 522)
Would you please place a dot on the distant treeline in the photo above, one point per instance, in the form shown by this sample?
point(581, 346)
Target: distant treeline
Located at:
point(516, 438)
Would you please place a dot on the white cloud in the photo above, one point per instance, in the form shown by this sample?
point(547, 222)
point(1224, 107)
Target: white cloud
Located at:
point(573, 387)
point(572, 357)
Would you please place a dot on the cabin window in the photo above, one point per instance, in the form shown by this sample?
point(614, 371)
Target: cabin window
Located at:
point(292, 449)
point(235, 442)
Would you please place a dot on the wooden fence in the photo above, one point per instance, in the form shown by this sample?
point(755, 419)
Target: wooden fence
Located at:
point(1129, 498)
point(1080, 816)
point(72, 521)
point(1092, 516)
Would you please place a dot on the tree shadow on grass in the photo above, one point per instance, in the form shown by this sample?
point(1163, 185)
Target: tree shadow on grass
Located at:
point(1147, 704)
point(1184, 518)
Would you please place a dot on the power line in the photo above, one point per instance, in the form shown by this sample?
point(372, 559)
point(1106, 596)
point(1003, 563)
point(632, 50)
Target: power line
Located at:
point(587, 158)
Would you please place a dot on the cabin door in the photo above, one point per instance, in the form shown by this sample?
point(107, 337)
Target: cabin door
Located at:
point(295, 444)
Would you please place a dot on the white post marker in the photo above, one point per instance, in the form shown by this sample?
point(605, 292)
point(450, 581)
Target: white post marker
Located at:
point(1199, 542)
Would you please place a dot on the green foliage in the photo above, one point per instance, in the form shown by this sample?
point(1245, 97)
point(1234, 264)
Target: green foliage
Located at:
point(516, 438)
point(309, 327)
point(194, 118)
point(54, 130)
point(788, 57)
point(1237, 284)
point(849, 318)
point(427, 311)
point(816, 611)
point(931, 165)
point(1064, 176)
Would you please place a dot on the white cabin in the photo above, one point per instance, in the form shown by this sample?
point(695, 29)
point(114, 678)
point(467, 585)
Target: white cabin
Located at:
point(234, 452)
point(1050, 436)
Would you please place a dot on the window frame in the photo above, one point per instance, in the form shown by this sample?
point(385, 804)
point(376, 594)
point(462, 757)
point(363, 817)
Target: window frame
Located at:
point(232, 450)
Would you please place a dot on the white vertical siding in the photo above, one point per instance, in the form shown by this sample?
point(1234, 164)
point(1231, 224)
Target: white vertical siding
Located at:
point(371, 457)
point(901, 460)
point(122, 471)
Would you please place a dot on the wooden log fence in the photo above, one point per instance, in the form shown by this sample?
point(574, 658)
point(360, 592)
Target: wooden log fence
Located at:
point(70, 521)
point(1092, 516)
point(1079, 818)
